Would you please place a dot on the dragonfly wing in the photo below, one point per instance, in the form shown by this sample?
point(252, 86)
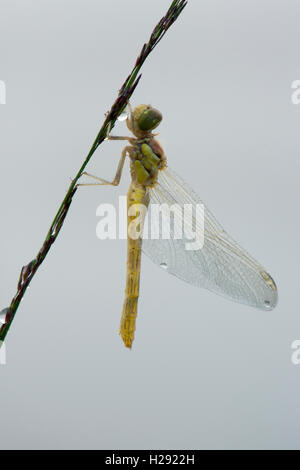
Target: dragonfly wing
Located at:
point(221, 265)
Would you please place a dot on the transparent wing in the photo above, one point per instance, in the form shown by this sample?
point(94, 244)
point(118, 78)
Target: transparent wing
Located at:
point(221, 265)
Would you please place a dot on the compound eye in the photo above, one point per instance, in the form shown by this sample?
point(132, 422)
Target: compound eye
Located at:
point(149, 119)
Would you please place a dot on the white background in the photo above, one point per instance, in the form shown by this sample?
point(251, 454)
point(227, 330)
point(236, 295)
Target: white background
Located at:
point(203, 372)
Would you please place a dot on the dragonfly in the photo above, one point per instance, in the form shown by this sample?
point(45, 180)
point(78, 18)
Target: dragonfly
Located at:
point(220, 264)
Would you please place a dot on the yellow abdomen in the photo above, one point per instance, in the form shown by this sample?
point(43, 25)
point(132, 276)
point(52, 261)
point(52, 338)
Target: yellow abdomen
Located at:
point(135, 219)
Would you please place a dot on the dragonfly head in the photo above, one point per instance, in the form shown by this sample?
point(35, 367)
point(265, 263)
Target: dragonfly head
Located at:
point(145, 119)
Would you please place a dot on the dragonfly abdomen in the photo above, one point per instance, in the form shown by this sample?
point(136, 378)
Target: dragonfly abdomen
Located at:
point(137, 194)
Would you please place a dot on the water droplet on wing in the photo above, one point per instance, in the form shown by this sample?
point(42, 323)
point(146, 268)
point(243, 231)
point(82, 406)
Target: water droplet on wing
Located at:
point(164, 265)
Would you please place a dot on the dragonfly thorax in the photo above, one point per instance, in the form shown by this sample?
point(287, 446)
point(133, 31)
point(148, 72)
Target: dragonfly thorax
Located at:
point(147, 159)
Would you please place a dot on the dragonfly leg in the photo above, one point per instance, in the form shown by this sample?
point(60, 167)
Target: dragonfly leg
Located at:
point(130, 108)
point(116, 180)
point(115, 137)
point(131, 119)
point(118, 137)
